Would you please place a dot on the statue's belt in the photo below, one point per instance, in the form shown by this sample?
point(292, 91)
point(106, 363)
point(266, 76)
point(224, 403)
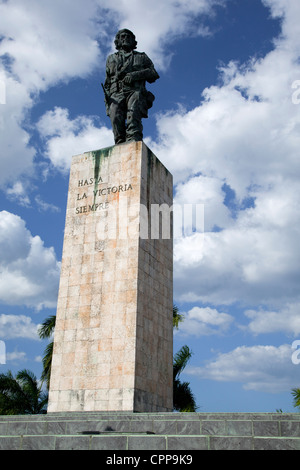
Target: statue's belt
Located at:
point(121, 87)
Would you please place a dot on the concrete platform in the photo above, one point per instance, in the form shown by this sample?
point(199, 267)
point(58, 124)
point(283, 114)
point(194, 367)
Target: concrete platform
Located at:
point(151, 431)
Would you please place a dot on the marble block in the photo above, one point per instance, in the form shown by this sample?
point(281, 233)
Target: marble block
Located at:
point(113, 341)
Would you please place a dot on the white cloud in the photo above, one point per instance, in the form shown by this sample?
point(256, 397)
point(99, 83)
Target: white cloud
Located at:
point(158, 23)
point(17, 155)
point(285, 320)
point(29, 271)
point(49, 41)
point(261, 368)
point(254, 260)
point(18, 193)
point(205, 321)
point(45, 206)
point(228, 137)
point(207, 191)
point(16, 356)
point(14, 238)
point(42, 44)
point(238, 265)
point(65, 137)
point(45, 43)
point(246, 130)
point(17, 326)
point(245, 133)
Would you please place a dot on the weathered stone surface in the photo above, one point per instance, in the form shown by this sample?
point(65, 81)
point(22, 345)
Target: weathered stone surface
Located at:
point(231, 443)
point(113, 336)
point(150, 431)
point(276, 443)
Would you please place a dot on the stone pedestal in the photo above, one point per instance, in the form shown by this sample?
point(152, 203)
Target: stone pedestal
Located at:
point(113, 342)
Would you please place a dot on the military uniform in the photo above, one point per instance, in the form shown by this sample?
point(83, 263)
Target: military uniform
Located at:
point(128, 101)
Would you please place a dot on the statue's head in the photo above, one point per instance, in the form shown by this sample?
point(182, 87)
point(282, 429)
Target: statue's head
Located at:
point(125, 39)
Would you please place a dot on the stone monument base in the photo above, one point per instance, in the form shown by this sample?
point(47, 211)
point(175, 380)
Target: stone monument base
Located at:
point(113, 341)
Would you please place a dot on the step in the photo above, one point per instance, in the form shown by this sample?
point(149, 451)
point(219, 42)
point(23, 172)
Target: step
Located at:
point(151, 431)
point(154, 443)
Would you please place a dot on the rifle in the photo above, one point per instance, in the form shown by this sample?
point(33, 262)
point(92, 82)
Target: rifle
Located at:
point(106, 98)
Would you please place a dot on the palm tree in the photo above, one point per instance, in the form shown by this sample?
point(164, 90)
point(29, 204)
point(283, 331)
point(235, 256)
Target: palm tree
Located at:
point(296, 395)
point(21, 394)
point(45, 331)
point(183, 398)
point(177, 317)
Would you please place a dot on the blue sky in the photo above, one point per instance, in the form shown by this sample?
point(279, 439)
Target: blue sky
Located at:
point(225, 122)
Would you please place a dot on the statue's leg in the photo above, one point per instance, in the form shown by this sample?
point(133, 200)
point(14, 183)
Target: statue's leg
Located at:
point(117, 114)
point(134, 127)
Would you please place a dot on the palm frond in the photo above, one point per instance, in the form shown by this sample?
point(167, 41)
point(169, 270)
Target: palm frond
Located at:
point(296, 395)
point(180, 360)
point(47, 328)
point(22, 394)
point(183, 398)
point(47, 361)
point(177, 317)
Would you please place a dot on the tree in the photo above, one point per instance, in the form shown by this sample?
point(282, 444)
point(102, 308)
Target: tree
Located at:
point(177, 317)
point(183, 398)
point(21, 394)
point(296, 395)
point(45, 331)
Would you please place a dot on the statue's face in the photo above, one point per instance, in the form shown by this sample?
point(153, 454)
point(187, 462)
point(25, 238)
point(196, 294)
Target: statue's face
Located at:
point(126, 41)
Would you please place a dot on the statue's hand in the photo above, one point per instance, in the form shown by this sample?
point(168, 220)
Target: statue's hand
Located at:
point(128, 79)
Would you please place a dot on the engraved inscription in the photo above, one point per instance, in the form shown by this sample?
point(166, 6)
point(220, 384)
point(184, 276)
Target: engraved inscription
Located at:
point(96, 193)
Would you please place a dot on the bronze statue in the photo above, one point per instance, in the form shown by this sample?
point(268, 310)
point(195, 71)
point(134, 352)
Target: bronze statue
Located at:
point(126, 99)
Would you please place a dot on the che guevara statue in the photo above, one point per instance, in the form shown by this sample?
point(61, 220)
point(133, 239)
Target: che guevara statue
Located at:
point(126, 99)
